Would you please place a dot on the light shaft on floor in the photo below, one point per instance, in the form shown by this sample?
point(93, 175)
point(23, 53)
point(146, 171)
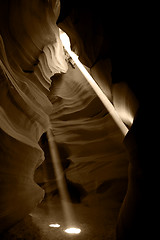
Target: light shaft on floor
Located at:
point(60, 178)
point(108, 105)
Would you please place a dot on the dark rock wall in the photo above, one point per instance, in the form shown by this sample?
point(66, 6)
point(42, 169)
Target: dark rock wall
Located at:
point(121, 38)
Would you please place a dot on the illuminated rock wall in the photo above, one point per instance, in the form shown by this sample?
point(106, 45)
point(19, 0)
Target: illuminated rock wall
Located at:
point(85, 128)
point(30, 53)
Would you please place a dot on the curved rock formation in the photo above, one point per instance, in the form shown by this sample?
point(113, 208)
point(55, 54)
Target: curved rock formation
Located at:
point(30, 53)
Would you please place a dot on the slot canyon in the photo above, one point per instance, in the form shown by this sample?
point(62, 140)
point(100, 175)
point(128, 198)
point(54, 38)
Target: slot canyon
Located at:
point(63, 159)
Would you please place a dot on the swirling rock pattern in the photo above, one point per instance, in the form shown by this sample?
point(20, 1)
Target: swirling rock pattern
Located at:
point(80, 121)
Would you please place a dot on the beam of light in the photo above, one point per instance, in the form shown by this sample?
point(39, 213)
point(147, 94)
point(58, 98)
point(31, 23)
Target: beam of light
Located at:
point(69, 216)
point(54, 225)
point(108, 105)
point(72, 230)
